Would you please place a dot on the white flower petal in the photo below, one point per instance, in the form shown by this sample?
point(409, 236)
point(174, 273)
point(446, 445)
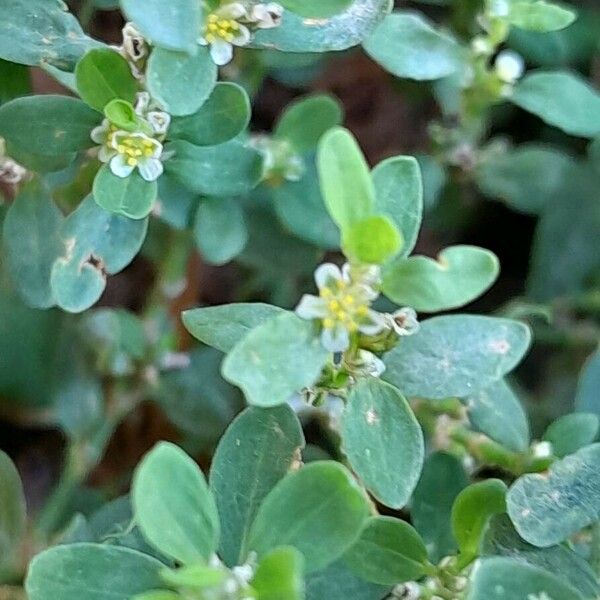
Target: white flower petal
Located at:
point(235, 11)
point(159, 121)
point(311, 307)
point(242, 37)
point(325, 273)
point(267, 16)
point(221, 52)
point(374, 324)
point(404, 321)
point(336, 339)
point(119, 166)
point(99, 133)
point(142, 102)
point(106, 153)
point(150, 168)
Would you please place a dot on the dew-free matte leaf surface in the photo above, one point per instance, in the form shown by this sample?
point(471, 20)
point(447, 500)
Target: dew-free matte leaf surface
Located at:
point(383, 441)
point(319, 510)
point(32, 242)
point(500, 578)
point(225, 114)
point(442, 480)
point(588, 390)
point(561, 99)
point(130, 196)
point(42, 31)
point(52, 125)
point(497, 412)
point(457, 276)
point(173, 506)
point(472, 510)
point(339, 32)
point(316, 8)
point(181, 82)
point(501, 539)
point(388, 552)
point(345, 179)
point(304, 121)
point(540, 16)
point(399, 195)
point(171, 25)
point(256, 451)
point(279, 576)
point(222, 327)
point(373, 240)
point(229, 169)
point(572, 432)
point(276, 360)
point(406, 45)
point(456, 355)
point(103, 75)
point(220, 229)
point(547, 508)
point(12, 508)
point(91, 571)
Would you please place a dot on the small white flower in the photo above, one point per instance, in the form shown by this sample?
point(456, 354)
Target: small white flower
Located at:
point(542, 449)
point(509, 66)
point(499, 8)
point(410, 590)
point(224, 30)
point(343, 307)
point(131, 150)
point(404, 321)
point(266, 16)
point(159, 121)
point(481, 45)
point(280, 161)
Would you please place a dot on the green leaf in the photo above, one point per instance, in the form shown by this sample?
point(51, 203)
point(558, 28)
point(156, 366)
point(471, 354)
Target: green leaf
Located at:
point(42, 31)
point(501, 539)
point(372, 240)
point(220, 229)
point(572, 432)
point(500, 578)
point(13, 511)
point(195, 576)
point(222, 327)
point(32, 242)
point(548, 508)
point(173, 506)
point(339, 32)
point(346, 182)
point(526, 177)
point(383, 441)
point(223, 116)
point(305, 121)
point(471, 512)
point(122, 114)
point(316, 8)
point(458, 276)
point(175, 203)
point(588, 394)
point(103, 75)
point(173, 25)
point(52, 125)
point(130, 196)
point(157, 595)
point(91, 571)
point(540, 16)
point(406, 45)
point(229, 169)
point(561, 99)
point(497, 412)
point(456, 355)
point(14, 81)
point(275, 360)
point(319, 510)
point(338, 582)
point(256, 451)
point(442, 480)
point(279, 575)
point(95, 243)
point(399, 195)
point(181, 82)
point(389, 551)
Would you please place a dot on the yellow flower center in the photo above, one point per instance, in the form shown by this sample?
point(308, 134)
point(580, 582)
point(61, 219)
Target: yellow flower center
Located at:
point(134, 148)
point(220, 28)
point(345, 306)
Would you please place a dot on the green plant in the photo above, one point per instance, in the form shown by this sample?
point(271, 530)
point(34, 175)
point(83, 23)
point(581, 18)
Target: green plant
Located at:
point(383, 453)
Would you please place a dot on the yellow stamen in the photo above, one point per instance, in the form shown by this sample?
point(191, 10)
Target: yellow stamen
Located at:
point(328, 323)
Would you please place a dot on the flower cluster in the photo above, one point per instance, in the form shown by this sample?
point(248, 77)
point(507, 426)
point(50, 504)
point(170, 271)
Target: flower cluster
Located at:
point(233, 24)
point(127, 150)
point(280, 161)
point(343, 306)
